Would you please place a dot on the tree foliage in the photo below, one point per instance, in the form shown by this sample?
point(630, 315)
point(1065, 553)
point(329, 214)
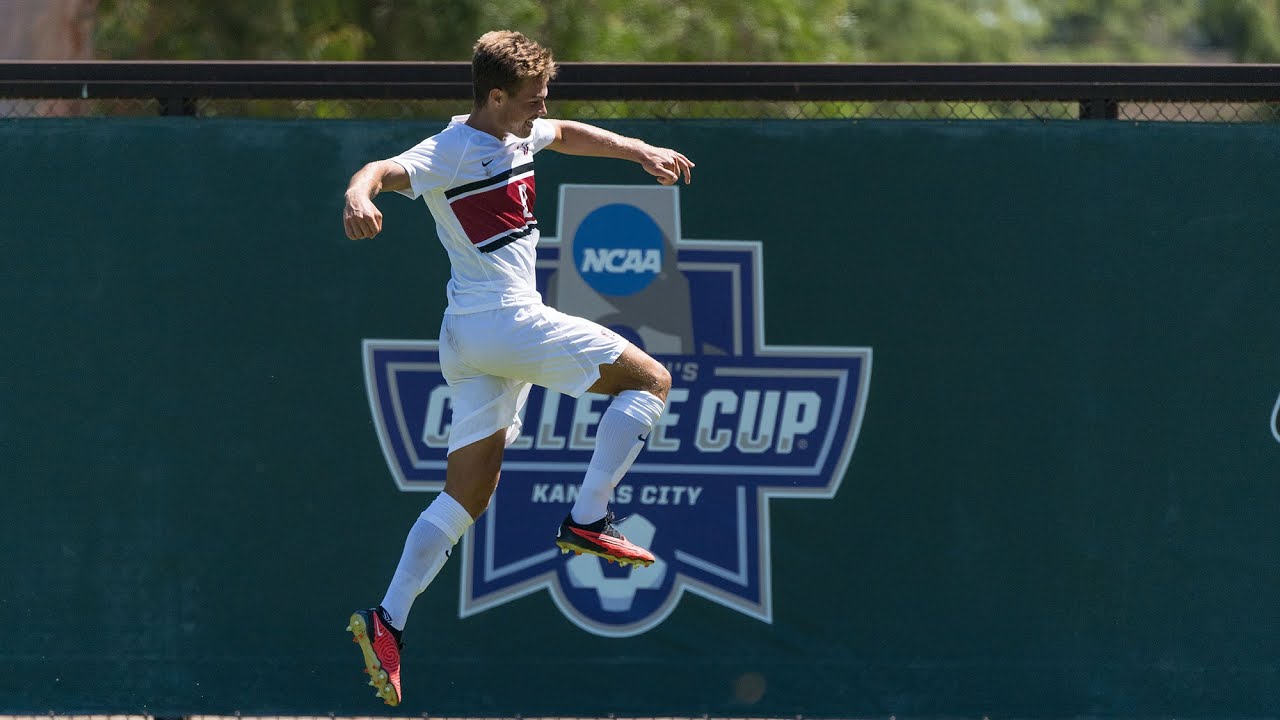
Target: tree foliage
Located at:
point(1247, 28)
point(699, 30)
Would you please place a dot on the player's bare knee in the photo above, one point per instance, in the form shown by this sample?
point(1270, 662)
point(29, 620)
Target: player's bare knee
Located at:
point(474, 497)
point(477, 505)
point(661, 381)
point(651, 376)
point(473, 471)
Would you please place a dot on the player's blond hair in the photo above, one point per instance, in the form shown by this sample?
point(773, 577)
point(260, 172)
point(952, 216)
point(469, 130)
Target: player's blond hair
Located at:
point(504, 59)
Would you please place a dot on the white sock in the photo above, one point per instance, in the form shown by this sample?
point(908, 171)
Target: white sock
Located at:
point(623, 430)
point(427, 548)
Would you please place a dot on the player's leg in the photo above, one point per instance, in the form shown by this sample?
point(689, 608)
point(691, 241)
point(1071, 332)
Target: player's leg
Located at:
point(633, 370)
point(572, 355)
point(485, 419)
point(471, 476)
point(470, 479)
point(639, 385)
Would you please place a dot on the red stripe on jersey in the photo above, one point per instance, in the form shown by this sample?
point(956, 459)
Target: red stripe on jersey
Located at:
point(495, 212)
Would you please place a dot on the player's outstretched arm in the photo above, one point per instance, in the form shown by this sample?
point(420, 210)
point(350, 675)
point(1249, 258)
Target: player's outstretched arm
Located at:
point(665, 164)
point(360, 217)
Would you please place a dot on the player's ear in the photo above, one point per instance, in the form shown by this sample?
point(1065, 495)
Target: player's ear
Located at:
point(496, 96)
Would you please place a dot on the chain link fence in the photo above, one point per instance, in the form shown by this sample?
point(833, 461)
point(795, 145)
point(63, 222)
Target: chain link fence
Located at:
point(1207, 111)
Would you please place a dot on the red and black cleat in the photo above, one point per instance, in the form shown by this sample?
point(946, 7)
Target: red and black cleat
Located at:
point(381, 649)
point(601, 538)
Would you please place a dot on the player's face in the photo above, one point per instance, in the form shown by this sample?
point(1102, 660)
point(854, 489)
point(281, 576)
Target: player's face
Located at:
point(524, 106)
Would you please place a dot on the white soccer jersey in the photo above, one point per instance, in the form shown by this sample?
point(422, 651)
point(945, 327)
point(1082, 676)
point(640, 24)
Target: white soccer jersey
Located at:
point(481, 192)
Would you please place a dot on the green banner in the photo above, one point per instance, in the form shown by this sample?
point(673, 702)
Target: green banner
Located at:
point(1060, 502)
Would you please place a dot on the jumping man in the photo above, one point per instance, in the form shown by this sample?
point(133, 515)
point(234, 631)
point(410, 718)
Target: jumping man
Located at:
point(497, 338)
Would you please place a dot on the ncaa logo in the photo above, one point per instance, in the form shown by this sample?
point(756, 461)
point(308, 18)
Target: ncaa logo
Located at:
point(745, 422)
point(618, 249)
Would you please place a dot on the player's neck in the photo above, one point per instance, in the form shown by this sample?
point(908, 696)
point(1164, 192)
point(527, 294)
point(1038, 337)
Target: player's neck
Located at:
point(483, 120)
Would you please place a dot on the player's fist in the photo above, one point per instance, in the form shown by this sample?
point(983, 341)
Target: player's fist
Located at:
point(360, 217)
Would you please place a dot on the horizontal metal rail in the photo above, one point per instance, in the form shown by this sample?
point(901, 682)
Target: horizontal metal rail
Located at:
point(647, 81)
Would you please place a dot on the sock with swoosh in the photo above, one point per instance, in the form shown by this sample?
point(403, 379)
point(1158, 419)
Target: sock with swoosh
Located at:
point(426, 549)
point(622, 432)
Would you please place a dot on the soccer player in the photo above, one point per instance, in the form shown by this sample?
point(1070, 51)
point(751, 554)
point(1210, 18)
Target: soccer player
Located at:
point(497, 337)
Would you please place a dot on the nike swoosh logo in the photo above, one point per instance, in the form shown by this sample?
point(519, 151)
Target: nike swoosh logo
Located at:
point(603, 539)
point(485, 163)
point(377, 629)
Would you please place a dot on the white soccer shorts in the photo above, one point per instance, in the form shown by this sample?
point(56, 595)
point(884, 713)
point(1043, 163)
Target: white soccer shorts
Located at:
point(490, 358)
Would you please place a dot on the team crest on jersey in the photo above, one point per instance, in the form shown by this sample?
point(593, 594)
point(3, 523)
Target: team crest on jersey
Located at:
point(746, 422)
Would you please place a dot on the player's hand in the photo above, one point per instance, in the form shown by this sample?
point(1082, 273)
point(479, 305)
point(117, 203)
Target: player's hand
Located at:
point(360, 217)
point(667, 165)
